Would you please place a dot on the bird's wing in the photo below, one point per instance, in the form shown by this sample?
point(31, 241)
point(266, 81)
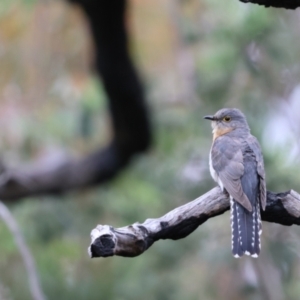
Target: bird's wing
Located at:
point(255, 147)
point(227, 160)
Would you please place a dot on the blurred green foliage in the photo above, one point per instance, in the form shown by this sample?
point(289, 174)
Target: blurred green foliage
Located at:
point(195, 57)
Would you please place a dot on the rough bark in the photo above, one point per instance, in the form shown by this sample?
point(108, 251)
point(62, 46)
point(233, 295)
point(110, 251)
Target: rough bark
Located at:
point(133, 240)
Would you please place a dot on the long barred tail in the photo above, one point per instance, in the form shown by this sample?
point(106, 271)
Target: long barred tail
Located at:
point(245, 229)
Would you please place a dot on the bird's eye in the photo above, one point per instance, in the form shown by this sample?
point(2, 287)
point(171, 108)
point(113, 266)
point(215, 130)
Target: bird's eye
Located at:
point(227, 119)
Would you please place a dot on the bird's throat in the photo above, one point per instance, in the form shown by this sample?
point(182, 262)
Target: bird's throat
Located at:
point(220, 131)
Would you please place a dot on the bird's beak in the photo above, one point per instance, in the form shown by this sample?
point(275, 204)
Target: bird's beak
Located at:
point(210, 117)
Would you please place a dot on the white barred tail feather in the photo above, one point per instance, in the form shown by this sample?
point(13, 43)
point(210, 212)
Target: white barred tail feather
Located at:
point(235, 244)
point(246, 230)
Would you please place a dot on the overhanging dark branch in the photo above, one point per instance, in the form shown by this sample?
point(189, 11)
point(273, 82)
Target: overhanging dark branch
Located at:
point(288, 4)
point(133, 240)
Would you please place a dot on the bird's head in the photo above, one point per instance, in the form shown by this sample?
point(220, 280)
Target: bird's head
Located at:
point(226, 120)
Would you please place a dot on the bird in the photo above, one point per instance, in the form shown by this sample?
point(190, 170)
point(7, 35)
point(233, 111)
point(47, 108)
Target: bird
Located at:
point(236, 164)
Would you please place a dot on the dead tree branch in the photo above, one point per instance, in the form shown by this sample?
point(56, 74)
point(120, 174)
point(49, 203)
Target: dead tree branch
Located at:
point(133, 240)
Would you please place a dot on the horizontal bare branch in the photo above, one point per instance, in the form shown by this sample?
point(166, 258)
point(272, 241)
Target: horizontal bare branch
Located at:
point(133, 240)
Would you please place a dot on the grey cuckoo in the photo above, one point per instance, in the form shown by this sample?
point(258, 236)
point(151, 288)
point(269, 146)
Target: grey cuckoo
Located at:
point(236, 164)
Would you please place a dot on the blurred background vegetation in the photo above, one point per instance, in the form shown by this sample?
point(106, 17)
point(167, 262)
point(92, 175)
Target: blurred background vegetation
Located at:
point(195, 56)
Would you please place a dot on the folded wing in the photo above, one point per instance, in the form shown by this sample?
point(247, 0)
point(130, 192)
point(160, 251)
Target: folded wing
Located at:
point(227, 160)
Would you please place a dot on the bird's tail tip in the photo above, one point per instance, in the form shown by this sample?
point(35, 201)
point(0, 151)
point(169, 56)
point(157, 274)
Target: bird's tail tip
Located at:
point(254, 255)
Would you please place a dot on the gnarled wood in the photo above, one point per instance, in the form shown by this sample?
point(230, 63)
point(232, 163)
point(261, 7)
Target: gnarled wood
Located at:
point(133, 240)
